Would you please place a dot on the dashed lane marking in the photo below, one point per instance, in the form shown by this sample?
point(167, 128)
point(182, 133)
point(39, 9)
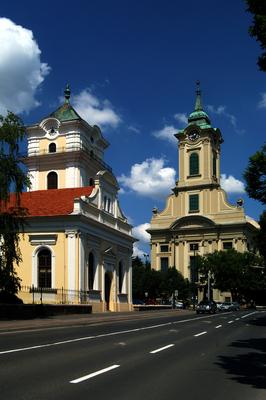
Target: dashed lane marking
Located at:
point(201, 333)
point(161, 349)
point(93, 374)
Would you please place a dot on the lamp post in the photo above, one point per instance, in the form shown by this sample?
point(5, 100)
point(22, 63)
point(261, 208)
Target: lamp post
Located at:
point(193, 275)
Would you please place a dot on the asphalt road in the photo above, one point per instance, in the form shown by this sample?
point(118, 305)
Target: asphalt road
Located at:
point(159, 355)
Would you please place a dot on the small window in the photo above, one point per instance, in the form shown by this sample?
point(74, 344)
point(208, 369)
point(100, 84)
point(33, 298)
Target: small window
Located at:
point(227, 245)
point(164, 248)
point(194, 164)
point(164, 264)
point(193, 202)
point(194, 246)
point(91, 182)
point(52, 180)
point(52, 148)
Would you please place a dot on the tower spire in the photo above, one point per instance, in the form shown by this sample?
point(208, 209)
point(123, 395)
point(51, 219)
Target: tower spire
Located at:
point(198, 104)
point(67, 93)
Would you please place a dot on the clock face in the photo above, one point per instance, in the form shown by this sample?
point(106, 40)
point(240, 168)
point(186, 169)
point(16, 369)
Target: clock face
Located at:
point(193, 135)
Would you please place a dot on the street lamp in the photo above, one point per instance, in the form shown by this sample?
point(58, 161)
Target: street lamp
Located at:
point(194, 247)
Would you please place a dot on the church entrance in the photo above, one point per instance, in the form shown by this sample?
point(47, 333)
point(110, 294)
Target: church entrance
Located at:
point(107, 289)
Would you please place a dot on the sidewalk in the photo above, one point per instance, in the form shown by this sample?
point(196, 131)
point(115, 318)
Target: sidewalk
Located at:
point(82, 319)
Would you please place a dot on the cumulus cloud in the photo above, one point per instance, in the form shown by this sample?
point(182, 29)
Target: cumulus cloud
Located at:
point(94, 111)
point(139, 232)
point(167, 133)
point(181, 117)
point(150, 178)
point(21, 69)
point(231, 184)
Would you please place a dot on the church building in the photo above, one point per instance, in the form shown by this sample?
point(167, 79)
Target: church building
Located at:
point(198, 219)
point(77, 245)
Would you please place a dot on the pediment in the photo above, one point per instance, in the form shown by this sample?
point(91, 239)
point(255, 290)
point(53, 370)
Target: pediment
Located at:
point(192, 222)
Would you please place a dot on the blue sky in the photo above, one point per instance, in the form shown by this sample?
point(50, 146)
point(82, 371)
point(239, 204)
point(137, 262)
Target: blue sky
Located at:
point(132, 67)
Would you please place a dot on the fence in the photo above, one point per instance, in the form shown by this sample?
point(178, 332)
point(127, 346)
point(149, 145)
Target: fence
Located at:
point(35, 295)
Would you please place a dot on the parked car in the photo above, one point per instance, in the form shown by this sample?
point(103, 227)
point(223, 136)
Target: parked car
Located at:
point(206, 306)
point(219, 305)
point(230, 306)
point(179, 304)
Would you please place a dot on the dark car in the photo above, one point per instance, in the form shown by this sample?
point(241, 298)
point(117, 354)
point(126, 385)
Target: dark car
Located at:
point(206, 306)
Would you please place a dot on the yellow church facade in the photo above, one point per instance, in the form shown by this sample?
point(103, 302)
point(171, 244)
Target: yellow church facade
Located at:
point(198, 219)
point(77, 245)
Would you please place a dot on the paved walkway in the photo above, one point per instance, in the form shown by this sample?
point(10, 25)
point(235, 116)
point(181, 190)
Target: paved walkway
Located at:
point(83, 319)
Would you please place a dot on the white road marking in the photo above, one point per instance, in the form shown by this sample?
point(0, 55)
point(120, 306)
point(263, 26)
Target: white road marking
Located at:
point(161, 349)
point(109, 334)
point(230, 322)
point(201, 333)
point(218, 326)
point(247, 315)
point(237, 319)
point(101, 371)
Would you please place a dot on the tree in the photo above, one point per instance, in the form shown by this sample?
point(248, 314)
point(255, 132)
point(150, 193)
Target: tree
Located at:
point(157, 284)
point(12, 177)
point(255, 176)
point(239, 273)
point(258, 27)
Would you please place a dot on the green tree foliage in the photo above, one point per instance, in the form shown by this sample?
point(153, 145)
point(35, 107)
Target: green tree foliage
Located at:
point(240, 273)
point(258, 27)
point(12, 177)
point(255, 176)
point(157, 284)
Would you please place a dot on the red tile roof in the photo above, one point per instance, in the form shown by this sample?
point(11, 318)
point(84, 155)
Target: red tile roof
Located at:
point(50, 202)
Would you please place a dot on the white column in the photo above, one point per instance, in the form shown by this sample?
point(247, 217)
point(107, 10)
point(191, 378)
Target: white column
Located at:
point(71, 268)
point(81, 262)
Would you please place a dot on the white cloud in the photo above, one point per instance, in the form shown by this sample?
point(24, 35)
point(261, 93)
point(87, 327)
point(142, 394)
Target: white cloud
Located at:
point(94, 111)
point(21, 69)
point(231, 184)
point(221, 110)
point(133, 129)
point(150, 178)
point(181, 117)
point(137, 252)
point(262, 103)
point(167, 133)
point(139, 232)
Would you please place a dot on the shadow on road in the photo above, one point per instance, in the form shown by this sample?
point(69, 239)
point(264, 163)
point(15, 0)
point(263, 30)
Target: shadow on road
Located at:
point(248, 368)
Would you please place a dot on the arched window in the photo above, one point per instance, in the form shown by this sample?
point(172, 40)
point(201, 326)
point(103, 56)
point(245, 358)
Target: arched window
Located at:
point(52, 180)
point(45, 269)
point(194, 164)
point(120, 277)
point(52, 148)
point(91, 271)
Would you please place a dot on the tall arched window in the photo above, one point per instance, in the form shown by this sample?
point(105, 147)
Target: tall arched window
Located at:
point(52, 180)
point(52, 148)
point(45, 269)
point(194, 164)
point(120, 277)
point(91, 271)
